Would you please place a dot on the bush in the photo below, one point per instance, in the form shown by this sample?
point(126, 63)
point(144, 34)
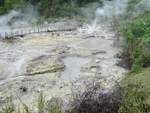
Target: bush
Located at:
point(137, 37)
point(96, 100)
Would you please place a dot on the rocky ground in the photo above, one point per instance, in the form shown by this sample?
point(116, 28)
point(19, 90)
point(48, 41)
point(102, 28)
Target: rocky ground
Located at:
point(59, 63)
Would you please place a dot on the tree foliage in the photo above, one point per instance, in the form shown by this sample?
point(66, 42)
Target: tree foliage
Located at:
point(47, 8)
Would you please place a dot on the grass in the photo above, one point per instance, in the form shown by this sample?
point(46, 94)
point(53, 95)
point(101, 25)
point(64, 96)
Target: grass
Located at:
point(136, 97)
point(41, 105)
point(142, 77)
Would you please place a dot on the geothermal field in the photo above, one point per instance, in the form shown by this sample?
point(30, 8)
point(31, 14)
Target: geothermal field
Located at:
point(76, 55)
point(60, 62)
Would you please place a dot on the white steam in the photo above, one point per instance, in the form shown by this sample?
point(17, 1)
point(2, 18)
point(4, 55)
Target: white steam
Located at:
point(17, 19)
point(110, 8)
point(142, 6)
point(119, 8)
point(5, 19)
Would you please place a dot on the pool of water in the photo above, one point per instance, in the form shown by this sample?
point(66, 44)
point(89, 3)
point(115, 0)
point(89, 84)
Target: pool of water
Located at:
point(73, 68)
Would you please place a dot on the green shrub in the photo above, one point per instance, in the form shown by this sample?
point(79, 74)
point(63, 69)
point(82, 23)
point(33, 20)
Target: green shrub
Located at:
point(137, 37)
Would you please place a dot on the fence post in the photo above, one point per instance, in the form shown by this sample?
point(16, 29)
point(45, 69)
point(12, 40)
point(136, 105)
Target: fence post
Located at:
point(12, 34)
point(6, 35)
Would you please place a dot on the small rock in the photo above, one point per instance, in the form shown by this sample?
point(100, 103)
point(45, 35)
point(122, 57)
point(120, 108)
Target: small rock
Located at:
point(23, 89)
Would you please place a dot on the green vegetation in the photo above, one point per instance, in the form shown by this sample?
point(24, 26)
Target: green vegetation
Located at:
point(47, 8)
point(9, 107)
point(41, 105)
point(136, 97)
point(6, 5)
point(136, 86)
point(137, 38)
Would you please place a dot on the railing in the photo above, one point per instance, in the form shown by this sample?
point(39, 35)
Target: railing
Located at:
point(14, 32)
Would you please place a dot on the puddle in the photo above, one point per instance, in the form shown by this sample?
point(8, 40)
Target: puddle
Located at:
point(73, 67)
point(96, 44)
